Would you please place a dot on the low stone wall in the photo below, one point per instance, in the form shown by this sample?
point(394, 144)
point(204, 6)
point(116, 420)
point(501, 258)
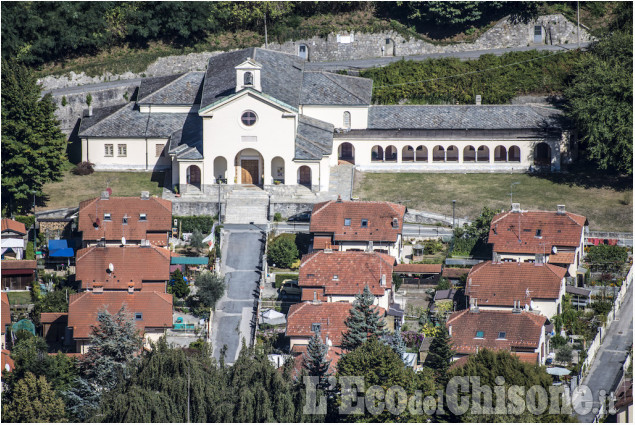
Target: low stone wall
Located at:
point(187, 208)
point(424, 217)
point(289, 209)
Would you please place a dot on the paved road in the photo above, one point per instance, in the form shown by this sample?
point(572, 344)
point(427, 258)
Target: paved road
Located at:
point(606, 368)
point(474, 54)
point(232, 319)
point(93, 87)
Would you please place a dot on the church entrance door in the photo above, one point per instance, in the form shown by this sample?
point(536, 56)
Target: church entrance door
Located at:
point(249, 173)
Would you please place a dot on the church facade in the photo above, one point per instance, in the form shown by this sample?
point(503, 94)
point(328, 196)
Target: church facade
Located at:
point(258, 117)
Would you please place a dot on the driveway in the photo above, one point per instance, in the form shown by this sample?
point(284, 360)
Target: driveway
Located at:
point(231, 324)
point(606, 369)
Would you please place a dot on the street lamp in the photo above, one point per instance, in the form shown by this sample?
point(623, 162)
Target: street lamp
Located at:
point(511, 193)
point(453, 208)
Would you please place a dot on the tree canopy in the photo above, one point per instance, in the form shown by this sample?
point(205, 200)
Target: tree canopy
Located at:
point(363, 321)
point(210, 288)
point(33, 401)
point(33, 147)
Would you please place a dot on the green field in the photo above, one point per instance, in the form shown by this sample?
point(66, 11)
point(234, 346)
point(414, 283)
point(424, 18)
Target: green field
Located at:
point(72, 189)
point(605, 201)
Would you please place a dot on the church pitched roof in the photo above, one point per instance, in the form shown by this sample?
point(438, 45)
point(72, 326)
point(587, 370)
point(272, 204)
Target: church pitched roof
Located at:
point(314, 138)
point(182, 89)
point(325, 88)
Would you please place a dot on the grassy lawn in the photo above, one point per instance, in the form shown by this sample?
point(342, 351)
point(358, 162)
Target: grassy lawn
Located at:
point(22, 297)
point(72, 189)
point(605, 201)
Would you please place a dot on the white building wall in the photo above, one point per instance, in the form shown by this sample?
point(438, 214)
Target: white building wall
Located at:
point(140, 154)
point(335, 115)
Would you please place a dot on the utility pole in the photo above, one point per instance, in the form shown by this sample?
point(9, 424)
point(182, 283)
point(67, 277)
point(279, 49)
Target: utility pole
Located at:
point(511, 193)
point(453, 208)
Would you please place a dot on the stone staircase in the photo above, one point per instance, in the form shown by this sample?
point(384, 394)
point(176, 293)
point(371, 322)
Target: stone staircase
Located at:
point(247, 205)
point(341, 180)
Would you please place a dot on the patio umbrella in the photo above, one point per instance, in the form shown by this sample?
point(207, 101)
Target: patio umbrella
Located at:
point(558, 371)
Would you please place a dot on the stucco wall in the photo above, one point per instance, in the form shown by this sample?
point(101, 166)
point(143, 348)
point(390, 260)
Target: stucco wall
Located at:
point(335, 115)
point(140, 154)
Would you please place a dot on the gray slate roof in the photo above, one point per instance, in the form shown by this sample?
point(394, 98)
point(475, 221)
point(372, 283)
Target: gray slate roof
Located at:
point(187, 142)
point(128, 122)
point(182, 89)
point(99, 114)
point(280, 76)
point(325, 88)
point(313, 139)
point(462, 117)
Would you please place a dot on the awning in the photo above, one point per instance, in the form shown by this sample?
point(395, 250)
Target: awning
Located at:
point(59, 248)
point(13, 243)
point(272, 317)
point(558, 371)
point(190, 261)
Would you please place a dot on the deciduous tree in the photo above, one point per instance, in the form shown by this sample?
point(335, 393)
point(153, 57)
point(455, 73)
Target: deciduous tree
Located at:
point(210, 288)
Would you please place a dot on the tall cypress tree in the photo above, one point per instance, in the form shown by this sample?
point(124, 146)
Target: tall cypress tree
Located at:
point(440, 356)
point(315, 361)
point(363, 322)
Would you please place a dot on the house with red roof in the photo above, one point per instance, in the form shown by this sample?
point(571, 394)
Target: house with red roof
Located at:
point(520, 332)
point(151, 312)
point(327, 319)
point(123, 268)
point(13, 237)
point(6, 319)
point(358, 226)
point(340, 275)
point(515, 286)
point(17, 275)
point(140, 220)
point(553, 237)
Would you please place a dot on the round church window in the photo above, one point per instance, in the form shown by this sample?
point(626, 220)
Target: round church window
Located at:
point(248, 118)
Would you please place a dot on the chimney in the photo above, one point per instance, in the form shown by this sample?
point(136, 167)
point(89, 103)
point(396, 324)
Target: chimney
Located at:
point(131, 288)
point(561, 210)
point(145, 194)
point(395, 222)
point(383, 280)
point(478, 99)
point(105, 195)
point(90, 110)
point(515, 207)
point(473, 305)
point(339, 199)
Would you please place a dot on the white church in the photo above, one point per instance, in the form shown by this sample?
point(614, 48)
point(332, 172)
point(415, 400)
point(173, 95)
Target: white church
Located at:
point(258, 117)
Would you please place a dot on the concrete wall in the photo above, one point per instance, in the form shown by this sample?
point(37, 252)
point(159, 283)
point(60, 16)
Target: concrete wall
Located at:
point(186, 208)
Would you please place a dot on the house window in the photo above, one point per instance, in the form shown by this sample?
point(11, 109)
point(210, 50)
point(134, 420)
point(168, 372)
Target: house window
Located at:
point(248, 118)
point(502, 335)
point(159, 150)
point(479, 334)
point(122, 150)
point(335, 277)
point(315, 328)
point(108, 150)
point(539, 233)
point(347, 119)
point(143, 217)
point(364, 222)
point(107, 216)
point(124, 220)
point(138, 316)
point(347, 222)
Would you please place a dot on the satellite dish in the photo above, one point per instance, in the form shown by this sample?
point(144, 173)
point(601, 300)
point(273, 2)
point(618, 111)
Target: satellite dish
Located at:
point(123, 240)
point(111, 267)
point(554, 250)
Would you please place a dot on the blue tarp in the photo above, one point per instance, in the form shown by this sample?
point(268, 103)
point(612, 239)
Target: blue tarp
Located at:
point(59, 248)
point(190, 261)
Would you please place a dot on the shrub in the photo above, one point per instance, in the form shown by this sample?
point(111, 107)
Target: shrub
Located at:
point(558, 341)
point(277, 217)
point(607, 257)
point(432, 246)
point(28, 220)
point(203, 223)
point(283, 251)
point(83, 169)
point(64, 101)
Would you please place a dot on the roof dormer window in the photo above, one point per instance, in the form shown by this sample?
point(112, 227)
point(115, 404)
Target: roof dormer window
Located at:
point(107, 216)
point(347, 222)
point(248, 79)
point(143, 217)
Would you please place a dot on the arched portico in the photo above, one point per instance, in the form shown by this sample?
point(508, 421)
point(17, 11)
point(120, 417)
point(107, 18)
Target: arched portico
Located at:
point(482, 154)
point(377, 154)
point(193, 176)
point(542, 154)
point(421, 154)
point(249, 166)
point(277, 170)
point(438, 154)
point(304, 176)
point(346, 152)
point(513, 155)
point(407, 154)
point(500, 154)
point(469, 154)
point(220, 169)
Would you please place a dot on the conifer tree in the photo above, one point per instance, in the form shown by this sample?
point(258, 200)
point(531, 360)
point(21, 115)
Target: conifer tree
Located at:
point(397, 343)
point(315, 361)
point(363, 322)
point(440, 356)
point(33, 401)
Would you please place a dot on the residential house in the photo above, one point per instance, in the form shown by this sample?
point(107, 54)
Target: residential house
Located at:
point(54, 328)
point(14, 236)
point(522, 333)
point(358, 226)
point(123, 268)
point(18, 275)
point(507, 286)
point(327, 319)
point(151, 312)
point(261, 117)
point(624, 401)
point(6, 319)
point(554, 237)
point(140, 220)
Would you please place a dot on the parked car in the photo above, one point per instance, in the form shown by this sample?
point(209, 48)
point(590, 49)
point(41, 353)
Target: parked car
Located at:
point(303, 216)
point(290, 288)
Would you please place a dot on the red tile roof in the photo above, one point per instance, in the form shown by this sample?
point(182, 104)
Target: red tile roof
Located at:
point(322, 242)
point(501, 284)
point(562, 258)
point(12, 225)
point(158, 212)
point(418, 268)
point(354, 270)
point(83, 309)
point(131, 263)
point(53, 317)
point(7, 362)
point(556, 229)
point(331, 316)
point(522, 330)
point(328, 217)
point(6, 311)
point(531, 358)
point(18, 264)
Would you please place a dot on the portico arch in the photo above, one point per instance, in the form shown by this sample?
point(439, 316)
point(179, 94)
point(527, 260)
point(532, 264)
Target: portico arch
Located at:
point(438, 154)
point(277, 170)
point(542, 154)
point(193, 174)
point(514, 154)
point(407, 154)
point(482, 154)
point(452, 154)
point(500, 154)
point(377, 154)
point(421, 154)
point(346, 152)
point(391, 153)
point(469, 154)
point(220, 169)
point(249, 167)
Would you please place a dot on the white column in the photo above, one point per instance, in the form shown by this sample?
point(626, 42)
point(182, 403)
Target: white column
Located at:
point(266, 171)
